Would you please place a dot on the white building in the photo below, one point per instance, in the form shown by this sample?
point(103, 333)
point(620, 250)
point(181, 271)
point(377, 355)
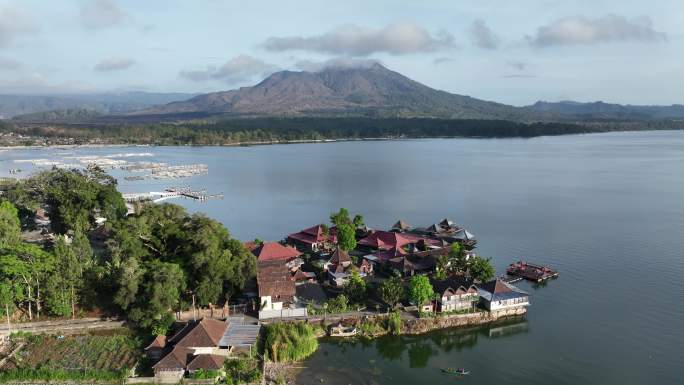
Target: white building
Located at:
point(499, 295)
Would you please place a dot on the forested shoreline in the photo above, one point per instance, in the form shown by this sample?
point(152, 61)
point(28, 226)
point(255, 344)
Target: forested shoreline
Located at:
point(278, 130)
point(141, 266)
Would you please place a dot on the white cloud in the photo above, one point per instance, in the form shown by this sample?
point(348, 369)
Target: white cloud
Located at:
point(236, 70)
point(101, 14)
point(482, 36)
point(114, 64)
point(584, 30)
point(353, 40)
point(342, 62)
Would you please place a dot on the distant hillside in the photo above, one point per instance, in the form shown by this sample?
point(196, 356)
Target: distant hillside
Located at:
point(108, 103)
point(372, 91)
point(59, 116)
point(608, 111)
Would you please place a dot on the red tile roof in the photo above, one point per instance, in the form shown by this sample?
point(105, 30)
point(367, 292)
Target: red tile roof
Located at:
point(386, 255)
point(314, 234)
point(386, 240)
point(273, 251)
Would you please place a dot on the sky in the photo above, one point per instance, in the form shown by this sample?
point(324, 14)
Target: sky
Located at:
point(514, 52)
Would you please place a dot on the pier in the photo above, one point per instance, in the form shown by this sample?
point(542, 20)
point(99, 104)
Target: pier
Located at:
point(170, 193)
point(529, 271)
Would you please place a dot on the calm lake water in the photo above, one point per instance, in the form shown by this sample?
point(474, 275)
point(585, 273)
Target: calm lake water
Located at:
point(606, 210)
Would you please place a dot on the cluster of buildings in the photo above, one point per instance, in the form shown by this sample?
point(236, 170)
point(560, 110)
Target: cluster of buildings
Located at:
point(200, 345)
point(286, 285)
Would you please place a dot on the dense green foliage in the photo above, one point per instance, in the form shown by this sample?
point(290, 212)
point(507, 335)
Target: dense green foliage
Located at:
point(72, 197)
point(289, 342)
point(420, 290)
point(10, 227)
point(163, 253)
point(61, 375)
point(481, 268)
point(346, 230)
point(394, 323)
point(242, 371)
point(267, 130)
point(391, 291)
point(355, 288)
point(338, 304)
point(155, 261)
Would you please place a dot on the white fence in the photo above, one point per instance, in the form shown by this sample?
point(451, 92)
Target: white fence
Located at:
point(283, 313)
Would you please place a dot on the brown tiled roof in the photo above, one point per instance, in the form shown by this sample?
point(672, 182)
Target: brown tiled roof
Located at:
point(387, 240)
point(275, 280)
point(158, 342)
point(401, 225)
point(272, 251)
point(314, 234)
point(301, 275)
point(496, 286)
point(206, 362)
point(339, 256)
point(204, 333)
point(175, 360)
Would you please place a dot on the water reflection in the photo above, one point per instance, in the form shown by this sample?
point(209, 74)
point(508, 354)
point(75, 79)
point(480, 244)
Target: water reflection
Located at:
point(387, 359)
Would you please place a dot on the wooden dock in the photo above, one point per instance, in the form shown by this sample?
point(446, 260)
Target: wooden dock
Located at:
point(530, 271)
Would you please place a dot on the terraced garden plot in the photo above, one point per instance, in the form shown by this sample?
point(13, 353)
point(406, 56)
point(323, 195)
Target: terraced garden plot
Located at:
point(85, 352)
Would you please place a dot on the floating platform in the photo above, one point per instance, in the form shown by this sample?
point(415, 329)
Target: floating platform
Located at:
point(531, 271)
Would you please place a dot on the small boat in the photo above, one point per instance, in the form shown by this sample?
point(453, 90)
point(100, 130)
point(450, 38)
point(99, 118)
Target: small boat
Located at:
point(458, 372)
point(342, 331)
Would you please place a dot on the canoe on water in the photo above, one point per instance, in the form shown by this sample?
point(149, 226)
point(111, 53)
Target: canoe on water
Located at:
point(456, 371)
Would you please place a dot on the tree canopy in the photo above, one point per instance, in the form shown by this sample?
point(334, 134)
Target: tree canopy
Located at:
point(346, 230)
point(420, 290)
point(391, 291)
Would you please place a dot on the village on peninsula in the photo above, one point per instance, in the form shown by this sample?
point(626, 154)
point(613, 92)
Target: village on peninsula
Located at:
point(343, 280)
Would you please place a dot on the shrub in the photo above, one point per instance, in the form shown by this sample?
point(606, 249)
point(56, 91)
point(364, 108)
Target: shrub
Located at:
point(338, 304)
point(242, 371)
point(289, 342)
point(394, 323)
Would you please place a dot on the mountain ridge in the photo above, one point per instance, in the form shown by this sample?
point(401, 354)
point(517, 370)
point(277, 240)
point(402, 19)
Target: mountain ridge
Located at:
point(372, 91)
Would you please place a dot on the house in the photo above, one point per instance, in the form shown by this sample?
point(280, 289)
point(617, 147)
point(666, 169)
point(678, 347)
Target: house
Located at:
point(274, 251)
point(385, 240)
point(155, 349)
point(41, 217)
point(314, 238)
point(194, 347)
point(338, 275)
point(365, 267)
point(455, 294)
point(400, 226)
point(338, 257)
point(276, 285)
point(301, 277)
point(499, 295)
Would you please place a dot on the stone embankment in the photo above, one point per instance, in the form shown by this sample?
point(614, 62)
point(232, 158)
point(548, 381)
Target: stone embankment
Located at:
point(424, 325)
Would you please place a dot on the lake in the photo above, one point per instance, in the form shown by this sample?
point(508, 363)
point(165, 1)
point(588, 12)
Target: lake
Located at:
point(606, 210)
